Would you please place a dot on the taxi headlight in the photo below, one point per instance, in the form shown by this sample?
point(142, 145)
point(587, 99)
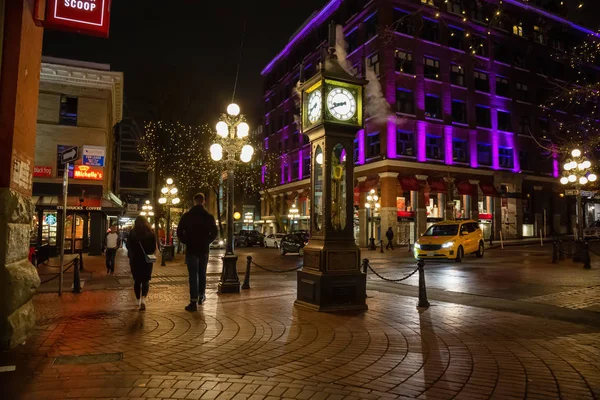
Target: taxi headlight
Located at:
point(447, 245)
point(417, 246)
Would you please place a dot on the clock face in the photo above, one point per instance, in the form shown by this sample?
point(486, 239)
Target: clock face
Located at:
point(314, 106)
point(341, 104)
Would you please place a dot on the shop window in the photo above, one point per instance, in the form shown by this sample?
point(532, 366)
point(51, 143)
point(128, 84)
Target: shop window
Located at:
point(68, 110)
point(482, 116)
point(502, 87)
point(482, 83)
point(459, 150)
point(434, 147)
point(405, 143)
point(522, 92)
point(431, 68)
point(457, 75)
point(373, 145)
point(433, 107)
point(373, 61)
point(525, 125)
point(405, 101)
point(430, 30)
point(404, 62)
point(504, 121)
point(371, 26)
point(456, 38)
point(484, 154)
point(402, 22)
point(505, 157)
point(459, 111)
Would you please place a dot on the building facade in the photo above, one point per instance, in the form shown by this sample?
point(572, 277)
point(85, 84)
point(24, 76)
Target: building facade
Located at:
point(465, 134)
point(79, 105)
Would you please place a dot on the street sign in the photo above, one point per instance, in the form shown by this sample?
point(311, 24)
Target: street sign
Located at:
point(572, 192)
point(586, 193)
point(94, 156)
point(69, 155)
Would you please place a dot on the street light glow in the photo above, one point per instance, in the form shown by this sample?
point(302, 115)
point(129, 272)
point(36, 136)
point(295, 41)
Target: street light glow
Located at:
point(169, 181)
point(567, 166)
point(162, 200)
point(242, 130)
point(174, 191)
point(233, 110)
point(222, 129)
point(164, 190)
point(586, 164)
point(564, 180)
point(572, 178)
point(216, 152)
point(583, 180)
point(592, 177)
point(175, 200)
point(576, 153)
point(320, 159)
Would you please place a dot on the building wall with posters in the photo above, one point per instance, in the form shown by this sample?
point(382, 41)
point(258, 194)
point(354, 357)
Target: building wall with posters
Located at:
point(464, 81)
point(80, 104)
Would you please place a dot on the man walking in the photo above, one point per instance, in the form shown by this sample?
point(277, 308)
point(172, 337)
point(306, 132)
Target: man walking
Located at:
point(197, 229)
point(112, 243)
point(390, 237)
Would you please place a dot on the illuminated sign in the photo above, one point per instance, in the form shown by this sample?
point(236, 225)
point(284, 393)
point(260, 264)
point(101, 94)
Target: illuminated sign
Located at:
point(89, 173)
point(91, 17)
point(42, 172)
point(50, 219)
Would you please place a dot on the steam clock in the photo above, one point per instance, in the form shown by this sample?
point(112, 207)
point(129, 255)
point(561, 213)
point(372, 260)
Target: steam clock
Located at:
point(332, 113)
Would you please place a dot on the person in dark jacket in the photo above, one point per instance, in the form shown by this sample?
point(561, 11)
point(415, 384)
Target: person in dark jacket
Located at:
point(141, 241)
point(389, 234)
point(197, 229)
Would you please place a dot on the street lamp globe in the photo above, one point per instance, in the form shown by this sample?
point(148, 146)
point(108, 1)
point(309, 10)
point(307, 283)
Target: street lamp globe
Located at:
point(564, 180)
point(572, 178)
point(143, 213)
point(222, 129)
point(576, 153)
point(147, 201)
point(369, 198)
point(587, 164)
point(169, 181)
point(377, 205)
point(216, 152)
point(567, 166)
point(174, 191)
point(164, 190)
point(367, 205)
point(151, 214)
point(592, 177)
point(320, 158)
point(242, 130)
point(176, 200)
point(233, 110)
point(162, 200)
point(583, 180)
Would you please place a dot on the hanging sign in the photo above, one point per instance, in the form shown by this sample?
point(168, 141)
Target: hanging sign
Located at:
point(42, 171)
point(91, 17)
point(87, 172)
point(94, 156)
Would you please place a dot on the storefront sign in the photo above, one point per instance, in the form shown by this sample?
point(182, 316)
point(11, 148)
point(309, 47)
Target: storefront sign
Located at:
point(94, 156)
point(87, 172)
point(90, 17)
point(50, 219)
point(42, 172)
point(80, 208)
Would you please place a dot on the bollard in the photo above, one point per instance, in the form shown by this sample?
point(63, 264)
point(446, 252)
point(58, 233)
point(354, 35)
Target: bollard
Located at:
point(554, 252)
point(81, 259)
point(586, 256)
point(409, 247)
point(76, 280)
point(365, 265)
point(561, 251)
point(422, 289)
point(246, 284)
point(381, 246)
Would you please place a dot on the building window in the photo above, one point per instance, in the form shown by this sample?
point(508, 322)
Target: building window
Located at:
point(459, 111)
point(482, 116)
point(520, 59)
point(405, 143)
point(431, 68)
point(430, 30)
point(558, 44)
point(539, 36)
point(373, 61)
point(295, 169)
point(504, 121)
point(479, 46)
point(518, 30)
point(456, 7)
point(501, 53)
point(479, 11)
point(525, 125)
point(524, 160)
point(285, 173)
point(457, 75)
point(428, 2)
point(352, 40)
point(459, 150)
point(542, 66)
point(405, 101)
point(502, 88)
point(505, 157)
point(373, 145)
point(306, 167)
point(484, 154)
point(482, 83)
point(434, 147)
point(68, 110)
point(402, 22)
point(355, 148)
point(433, 107)
point(404, 62)
point(543, 126)
point(456, 38)
point(522, 92)
point(371, 25)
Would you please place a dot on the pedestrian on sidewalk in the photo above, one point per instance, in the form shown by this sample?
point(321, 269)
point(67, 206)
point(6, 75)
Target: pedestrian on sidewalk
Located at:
point(197, 229)
point(141, 241)
point(112, 242)
point(389, 234)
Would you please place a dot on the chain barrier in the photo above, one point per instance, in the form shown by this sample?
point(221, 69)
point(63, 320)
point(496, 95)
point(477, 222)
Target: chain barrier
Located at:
point(70, 264)
point(393, 280)
point(279, 271)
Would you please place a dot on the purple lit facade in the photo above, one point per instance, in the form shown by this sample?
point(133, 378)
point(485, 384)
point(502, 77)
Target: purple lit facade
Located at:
point(466, 100)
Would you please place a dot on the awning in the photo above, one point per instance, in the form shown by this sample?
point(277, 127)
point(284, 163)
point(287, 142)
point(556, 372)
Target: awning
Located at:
point(488, 189)
point(437, 185)
point(409, 183)
point(464, 188)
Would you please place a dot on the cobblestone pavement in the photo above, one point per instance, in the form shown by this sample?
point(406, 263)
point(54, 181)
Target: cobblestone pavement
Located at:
point(258, 345)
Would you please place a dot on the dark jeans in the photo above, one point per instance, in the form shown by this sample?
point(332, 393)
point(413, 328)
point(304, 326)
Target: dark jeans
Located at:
point(390, 244)
point(197, 274)
point(141, 286)
point(110, 259)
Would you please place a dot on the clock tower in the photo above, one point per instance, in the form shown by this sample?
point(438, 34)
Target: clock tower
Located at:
point(332, 114)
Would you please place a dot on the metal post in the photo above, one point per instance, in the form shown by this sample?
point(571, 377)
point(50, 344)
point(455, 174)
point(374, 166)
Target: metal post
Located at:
point(76, 280)
point(230, 282)
point(372, 239)
point(586, 256)
point(81, 259)
point(365, 265)
point(167, 233)
point(422, 288)
point(561, 251)
point(554, 252)
point(579, 216)
point(381, 246)
point(246, 284)
point(62, 224)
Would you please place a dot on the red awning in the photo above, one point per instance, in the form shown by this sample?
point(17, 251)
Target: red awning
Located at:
point(409, 183)
point(437, 185)
point(464, 188)
point(488, 189)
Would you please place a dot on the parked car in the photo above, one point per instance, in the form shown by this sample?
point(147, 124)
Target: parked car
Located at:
point(450, 240)
point(292, 243)
point(303, 232)
point(273, 240)
point(249, 238)
point(593, 231)
point(218, 243)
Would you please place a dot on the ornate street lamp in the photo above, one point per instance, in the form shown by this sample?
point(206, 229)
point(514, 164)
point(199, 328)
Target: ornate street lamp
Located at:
point(293, 215)
point(372, 205)
point(168, 199)
point(577, 172)
point(147, 210)
point(233, 131)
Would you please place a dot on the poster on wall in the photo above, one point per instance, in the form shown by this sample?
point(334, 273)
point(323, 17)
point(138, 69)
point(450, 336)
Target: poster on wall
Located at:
point(94, 156)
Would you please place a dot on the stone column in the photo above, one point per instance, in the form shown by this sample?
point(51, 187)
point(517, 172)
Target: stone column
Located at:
point(474, 200)
point(538, 209)
point(419, 206)
point(19, 86)
point(449, 200)
point(441, 197)
point(362, 216)
point(389, 208)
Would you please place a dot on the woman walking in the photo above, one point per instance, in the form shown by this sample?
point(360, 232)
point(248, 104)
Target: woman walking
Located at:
point(141, 242)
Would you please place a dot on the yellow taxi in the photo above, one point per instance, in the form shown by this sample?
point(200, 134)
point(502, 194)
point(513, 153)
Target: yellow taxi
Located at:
point(450, 240)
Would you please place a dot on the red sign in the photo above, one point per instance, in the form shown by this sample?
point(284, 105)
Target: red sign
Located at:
point(89, 173)
point(91, 17)
point(42, 172)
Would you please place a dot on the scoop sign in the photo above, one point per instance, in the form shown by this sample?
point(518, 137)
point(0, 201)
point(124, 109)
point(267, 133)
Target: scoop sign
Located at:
point(87, 5)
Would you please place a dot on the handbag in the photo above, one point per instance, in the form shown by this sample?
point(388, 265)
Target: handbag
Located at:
point(150, 258)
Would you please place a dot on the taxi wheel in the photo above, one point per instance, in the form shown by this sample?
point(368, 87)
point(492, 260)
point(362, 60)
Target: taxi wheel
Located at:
point(276, 245)
point(282, 251)
point(480, 250)
point(459, 254)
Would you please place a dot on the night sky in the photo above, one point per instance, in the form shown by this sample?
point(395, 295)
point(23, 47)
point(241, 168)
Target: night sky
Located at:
point(180, 56)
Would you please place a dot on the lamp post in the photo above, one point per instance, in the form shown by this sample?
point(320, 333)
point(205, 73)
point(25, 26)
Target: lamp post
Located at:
point(293, 215)
point(168, 199)
point(147, 210)
point(233, 131)
point(372, 205)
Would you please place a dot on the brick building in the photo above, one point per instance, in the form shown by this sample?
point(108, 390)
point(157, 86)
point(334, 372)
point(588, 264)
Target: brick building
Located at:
point(464, 80)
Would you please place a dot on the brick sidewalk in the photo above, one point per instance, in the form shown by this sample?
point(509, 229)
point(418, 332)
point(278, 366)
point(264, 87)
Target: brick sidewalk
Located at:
point(258, 345)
